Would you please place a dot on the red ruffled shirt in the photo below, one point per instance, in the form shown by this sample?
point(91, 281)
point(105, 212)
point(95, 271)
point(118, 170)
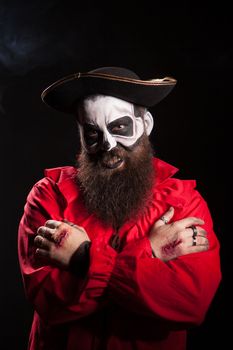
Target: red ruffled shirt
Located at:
point(127, 300)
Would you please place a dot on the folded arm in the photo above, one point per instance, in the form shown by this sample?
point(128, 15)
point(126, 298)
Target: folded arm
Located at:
point(58, 295)
point(179, 288)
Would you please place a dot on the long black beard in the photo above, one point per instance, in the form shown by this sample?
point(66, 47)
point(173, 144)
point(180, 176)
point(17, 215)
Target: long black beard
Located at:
point(119, 195)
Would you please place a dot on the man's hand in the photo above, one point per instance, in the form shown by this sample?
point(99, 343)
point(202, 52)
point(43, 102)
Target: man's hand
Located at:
point(170, 241)
point(57, 241)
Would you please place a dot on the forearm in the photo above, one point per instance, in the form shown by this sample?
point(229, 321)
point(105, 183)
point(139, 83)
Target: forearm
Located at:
point(61, 295)
point(170, 290)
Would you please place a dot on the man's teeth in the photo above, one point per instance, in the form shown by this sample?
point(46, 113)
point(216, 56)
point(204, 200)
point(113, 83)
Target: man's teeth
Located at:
point(114, 159)
point(112, 162)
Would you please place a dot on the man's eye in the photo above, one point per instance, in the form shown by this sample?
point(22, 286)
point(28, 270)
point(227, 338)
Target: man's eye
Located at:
point(119, 127)
point(92, 133)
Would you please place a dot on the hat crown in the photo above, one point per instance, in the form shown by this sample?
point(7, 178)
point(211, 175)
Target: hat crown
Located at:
point(116, 71)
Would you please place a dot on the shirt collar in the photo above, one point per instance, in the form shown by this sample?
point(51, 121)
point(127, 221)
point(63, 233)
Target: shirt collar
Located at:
point(163, 170)
point(65, 177)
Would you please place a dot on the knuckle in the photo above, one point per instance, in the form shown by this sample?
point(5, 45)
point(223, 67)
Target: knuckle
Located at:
point(184, 234)
point(202, 231)
point(49, 223)
point(36, 241)
point(177, 225)
point(181, 235)
point(41, 230)
point(63, 226)
point(37, 238)
point(174, 224)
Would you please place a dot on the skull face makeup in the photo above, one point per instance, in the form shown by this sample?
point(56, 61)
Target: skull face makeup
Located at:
point(107, 121)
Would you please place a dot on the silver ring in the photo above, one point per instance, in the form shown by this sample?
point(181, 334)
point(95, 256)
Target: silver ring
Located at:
point(194, 236)
point(164, 219)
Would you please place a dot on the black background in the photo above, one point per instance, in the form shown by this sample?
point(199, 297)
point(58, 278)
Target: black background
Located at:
point(41, 41)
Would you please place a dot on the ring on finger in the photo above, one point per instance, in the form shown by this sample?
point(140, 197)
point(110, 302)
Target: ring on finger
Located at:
point(164, 219)
point(194, 236)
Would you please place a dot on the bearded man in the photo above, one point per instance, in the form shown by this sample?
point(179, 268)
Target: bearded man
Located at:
point(115, 253)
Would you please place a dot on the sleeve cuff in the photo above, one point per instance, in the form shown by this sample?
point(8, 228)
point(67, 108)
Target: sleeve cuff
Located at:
point(80, 260)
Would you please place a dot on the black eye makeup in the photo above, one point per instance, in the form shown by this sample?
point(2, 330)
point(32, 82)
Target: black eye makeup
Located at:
point(92, 134)
point(121, 126)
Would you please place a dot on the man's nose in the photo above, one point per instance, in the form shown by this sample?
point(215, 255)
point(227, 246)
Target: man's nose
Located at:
point(106, 146)
point(109, 142)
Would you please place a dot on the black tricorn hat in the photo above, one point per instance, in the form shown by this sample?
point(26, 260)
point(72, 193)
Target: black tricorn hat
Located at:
point(122, 83)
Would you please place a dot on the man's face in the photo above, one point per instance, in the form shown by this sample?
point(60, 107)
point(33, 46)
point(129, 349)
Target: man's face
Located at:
point(108, 122)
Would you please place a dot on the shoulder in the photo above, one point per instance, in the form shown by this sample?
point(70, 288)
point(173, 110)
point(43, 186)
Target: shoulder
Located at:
point(182, 194)
point(55, 176)
point(173, 190)
point(54, 183)
point(166, 182)
point(60, 174)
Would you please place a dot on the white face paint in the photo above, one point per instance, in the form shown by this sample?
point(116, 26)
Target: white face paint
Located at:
point(108, 121)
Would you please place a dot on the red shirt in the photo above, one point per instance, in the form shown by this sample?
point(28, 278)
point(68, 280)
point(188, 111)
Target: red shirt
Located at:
point(128, 300)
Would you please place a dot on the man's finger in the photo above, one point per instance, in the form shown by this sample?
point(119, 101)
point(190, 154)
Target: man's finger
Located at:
point(200, 231)
point(165, 218)
point(70, 223)
point(200, 240)
point(46, 232)
point(42, 242)
point(53, 223)
point(41, 253)
point(199, 248)
point(188, 222)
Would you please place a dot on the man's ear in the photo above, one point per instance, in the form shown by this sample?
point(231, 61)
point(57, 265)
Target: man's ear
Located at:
point(148, 122)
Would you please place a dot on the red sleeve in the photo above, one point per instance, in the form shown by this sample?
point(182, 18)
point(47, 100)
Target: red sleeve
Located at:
point(180, 290)
point(58, 296)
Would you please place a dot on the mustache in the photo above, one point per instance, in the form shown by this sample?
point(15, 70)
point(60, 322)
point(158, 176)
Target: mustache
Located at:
point(119, 151)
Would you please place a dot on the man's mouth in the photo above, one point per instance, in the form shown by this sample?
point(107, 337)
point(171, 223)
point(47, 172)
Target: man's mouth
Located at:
point(113, 162)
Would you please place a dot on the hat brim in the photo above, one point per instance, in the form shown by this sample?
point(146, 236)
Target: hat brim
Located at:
point(64, 93)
